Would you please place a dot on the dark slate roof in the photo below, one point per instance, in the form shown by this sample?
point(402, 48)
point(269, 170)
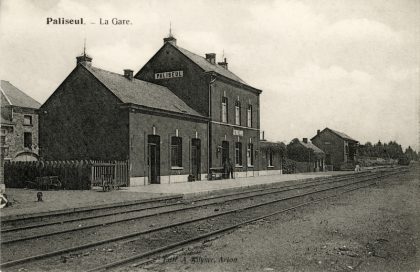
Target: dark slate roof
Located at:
point(209, 67)
point(342, 135)
point(15, 97)
point(312, 146)
point(141, 93)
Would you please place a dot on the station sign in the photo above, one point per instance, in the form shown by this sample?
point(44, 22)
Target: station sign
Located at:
point(237, 132)
point(167, 75)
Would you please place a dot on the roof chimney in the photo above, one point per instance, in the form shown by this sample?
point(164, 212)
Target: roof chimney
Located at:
point(318, 131)
point(224, 64)
point(211, 57)
point(84, 59)
point(305, 140)
point(128, 74)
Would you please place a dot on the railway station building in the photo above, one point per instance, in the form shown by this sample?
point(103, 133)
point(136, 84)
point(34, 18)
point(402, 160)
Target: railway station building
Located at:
point(231, 105)
point(99, 115)
point(179, 118)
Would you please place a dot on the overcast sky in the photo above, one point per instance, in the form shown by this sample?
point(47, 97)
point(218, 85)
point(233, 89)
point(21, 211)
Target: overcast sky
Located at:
point(352, 65)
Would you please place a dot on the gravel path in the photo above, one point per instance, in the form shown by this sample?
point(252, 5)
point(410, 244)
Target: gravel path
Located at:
point(373, 229)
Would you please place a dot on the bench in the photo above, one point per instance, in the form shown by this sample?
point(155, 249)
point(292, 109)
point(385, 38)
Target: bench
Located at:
point(217, 173)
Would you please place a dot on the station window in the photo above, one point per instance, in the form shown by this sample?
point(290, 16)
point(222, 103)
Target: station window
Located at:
point(3, 137)
point(27, 140)
point(176, 151)
point(3, 140)
point(249, 116)
point(238, 153)
point(270, 156)
point(249, 155)
point(27, 120)
point(238, 113)
point(224, 109)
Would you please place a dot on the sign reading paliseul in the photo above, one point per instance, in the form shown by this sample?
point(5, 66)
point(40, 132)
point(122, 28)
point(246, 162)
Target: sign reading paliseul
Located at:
point(171, 74)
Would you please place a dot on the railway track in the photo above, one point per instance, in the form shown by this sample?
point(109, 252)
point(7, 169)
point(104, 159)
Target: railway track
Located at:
point(27, 232)
point(211, 223)
point(13, 225)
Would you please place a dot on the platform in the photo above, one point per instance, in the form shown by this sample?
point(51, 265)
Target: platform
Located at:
point(24, 201)
point(198, 188)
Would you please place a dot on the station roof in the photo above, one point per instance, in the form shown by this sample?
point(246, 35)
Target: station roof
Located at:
point(209, 67)
point(140, 92)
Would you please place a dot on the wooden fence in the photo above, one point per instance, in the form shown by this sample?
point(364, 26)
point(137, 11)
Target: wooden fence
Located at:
point(73, 175)
point(115, 172)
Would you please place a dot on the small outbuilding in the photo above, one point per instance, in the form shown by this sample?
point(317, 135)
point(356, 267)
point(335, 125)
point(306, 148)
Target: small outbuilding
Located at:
point(308, 157)
point(340, 149)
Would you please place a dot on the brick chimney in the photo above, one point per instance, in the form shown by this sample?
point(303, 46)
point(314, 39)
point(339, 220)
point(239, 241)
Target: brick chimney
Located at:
point(305, 140)
point(224, 64)
point(128, 74)
point(211, 57)
point(318, 131)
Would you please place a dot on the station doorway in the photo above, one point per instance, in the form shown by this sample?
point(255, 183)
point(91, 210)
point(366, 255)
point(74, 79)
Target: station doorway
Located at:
point(196, 158)
point(153, 161)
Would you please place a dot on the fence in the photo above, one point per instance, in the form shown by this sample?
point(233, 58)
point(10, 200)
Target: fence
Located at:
point(73, 175)
point(116, 171)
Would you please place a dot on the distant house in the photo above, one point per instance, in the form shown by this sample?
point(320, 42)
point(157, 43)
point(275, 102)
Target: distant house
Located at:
point(19, 124)
point(309, 157)
point(340, 149)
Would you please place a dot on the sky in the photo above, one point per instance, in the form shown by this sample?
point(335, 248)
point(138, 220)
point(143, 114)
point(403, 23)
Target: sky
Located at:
point(352, 66)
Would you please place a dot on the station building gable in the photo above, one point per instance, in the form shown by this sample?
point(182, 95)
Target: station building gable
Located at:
point(214, 91)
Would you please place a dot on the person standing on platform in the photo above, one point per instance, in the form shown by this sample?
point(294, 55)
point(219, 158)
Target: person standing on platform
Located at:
point(225, 169)
point(230, 166)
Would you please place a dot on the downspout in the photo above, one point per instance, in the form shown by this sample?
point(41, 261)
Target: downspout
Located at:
point(209, 139)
